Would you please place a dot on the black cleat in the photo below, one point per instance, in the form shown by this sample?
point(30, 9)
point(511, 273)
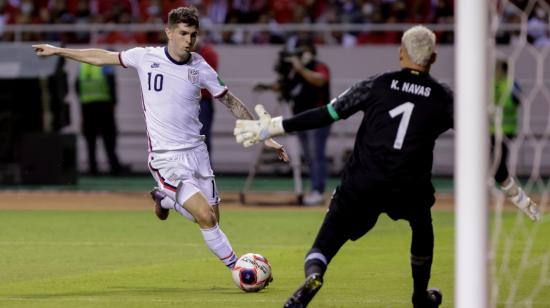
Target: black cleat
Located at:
point(268, 281)
point(305, 292)
point(431, 299)
point(157, 196)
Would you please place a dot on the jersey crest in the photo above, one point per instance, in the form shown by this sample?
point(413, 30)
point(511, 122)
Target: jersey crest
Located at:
point(193, 75)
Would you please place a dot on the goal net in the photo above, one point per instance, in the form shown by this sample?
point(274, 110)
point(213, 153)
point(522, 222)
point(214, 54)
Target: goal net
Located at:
point(519, 56)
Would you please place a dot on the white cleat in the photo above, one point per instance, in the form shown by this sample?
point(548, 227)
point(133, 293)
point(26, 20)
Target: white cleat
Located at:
point(314, 198)
point(528, 206)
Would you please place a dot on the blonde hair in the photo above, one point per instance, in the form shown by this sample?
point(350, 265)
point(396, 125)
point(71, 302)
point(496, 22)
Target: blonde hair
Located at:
point(419, 43)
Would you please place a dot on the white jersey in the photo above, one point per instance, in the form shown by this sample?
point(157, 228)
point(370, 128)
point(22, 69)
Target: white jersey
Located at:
point(171, 92)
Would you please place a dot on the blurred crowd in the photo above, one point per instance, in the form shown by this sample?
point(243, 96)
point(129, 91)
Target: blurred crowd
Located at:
point(271, 14)
point(514, 12)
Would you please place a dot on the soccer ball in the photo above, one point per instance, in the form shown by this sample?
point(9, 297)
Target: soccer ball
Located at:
point(252, 272)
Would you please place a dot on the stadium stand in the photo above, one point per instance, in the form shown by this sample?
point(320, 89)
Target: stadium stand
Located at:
point(371, 26)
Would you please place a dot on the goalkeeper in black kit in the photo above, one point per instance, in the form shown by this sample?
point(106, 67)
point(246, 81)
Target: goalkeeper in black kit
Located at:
point(389, 170)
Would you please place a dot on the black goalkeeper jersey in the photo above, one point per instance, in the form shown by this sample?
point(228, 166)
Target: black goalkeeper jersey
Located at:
point(404, 113)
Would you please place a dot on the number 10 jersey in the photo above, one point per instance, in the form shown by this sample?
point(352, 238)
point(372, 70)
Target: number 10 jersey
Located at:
point(171, 95)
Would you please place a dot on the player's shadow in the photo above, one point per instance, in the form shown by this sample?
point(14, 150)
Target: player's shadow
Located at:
point(129, 291)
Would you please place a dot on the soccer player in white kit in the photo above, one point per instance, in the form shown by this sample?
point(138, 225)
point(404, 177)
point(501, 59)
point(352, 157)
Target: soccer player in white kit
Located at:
point(171, 79)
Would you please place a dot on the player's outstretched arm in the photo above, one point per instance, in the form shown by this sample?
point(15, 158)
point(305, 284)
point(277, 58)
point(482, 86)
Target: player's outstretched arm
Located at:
point(93, 56)
point(237, 108)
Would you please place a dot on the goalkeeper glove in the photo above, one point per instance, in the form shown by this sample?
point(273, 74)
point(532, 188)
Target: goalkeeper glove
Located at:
point(250, 132)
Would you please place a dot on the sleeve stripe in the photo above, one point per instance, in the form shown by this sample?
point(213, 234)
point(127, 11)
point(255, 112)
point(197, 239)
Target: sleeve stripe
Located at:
point(120, 60)
point(333, 114)
point(222, 93)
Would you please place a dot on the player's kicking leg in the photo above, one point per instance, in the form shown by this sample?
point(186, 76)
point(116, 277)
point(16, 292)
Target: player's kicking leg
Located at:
point(188, 187)
point(207, 219)
point(196, 209)
point(519, 198)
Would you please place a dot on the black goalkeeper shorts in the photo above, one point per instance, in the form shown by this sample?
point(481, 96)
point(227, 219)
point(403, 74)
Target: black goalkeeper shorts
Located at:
point(355, 212)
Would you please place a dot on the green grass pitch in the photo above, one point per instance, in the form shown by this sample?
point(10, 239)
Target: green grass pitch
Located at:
point(131, 259)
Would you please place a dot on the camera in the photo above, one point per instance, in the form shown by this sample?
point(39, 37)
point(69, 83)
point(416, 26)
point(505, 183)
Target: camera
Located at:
point(283, 67)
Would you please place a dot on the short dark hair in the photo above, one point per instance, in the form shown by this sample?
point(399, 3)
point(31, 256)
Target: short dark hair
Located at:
point(188, 15)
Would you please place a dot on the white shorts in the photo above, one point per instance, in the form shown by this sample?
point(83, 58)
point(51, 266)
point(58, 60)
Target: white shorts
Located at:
point(182, 174)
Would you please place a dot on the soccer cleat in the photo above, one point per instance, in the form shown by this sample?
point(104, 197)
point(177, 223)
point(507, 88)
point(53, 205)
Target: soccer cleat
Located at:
point(268, 281)
point(157, 195)
point(431, 299)
point(305, 292)
point(527, 205)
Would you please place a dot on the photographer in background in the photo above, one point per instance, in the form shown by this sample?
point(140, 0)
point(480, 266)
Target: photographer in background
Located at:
point(305, 82)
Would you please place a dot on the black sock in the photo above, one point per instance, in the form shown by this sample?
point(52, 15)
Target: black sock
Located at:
point(421, 251)
point(314, 267)
point(421, 267)
point(314, 263)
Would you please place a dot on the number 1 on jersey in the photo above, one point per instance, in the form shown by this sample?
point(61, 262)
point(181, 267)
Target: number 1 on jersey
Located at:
point(406, 109)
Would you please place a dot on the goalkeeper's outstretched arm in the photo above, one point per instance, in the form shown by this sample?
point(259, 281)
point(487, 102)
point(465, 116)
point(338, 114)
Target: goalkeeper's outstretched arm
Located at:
point(239, 110)
point(310, 119)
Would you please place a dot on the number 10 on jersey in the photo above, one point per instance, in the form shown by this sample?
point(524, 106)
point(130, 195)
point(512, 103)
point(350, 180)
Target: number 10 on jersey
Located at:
point(155, 81)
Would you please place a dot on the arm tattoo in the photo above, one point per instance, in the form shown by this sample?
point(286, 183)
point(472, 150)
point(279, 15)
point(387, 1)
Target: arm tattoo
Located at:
point(237, 108)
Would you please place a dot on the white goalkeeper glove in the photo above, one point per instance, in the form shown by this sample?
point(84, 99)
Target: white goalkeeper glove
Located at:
point(250, 132)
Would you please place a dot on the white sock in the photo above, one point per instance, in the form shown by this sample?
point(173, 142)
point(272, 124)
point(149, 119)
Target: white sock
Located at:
point(169, 203)
point(516, 194)
point(511, 189)
point(218, 243)
point(521, 200)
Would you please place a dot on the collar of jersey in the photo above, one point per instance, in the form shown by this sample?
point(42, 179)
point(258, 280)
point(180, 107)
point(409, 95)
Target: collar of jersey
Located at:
point(414, 72)
point(174, 60)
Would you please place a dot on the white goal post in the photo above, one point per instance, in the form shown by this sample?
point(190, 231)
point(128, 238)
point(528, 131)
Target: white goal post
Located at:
point(471, 167)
